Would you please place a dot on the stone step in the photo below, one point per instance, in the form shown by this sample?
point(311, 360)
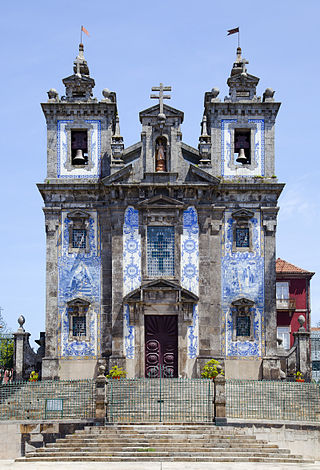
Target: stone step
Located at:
point(197, 442)
point(165, 459)
point(95, 448)
point(156, 453)
point(150, 434)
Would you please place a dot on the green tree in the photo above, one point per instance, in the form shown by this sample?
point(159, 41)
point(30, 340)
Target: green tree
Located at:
point(6, 352)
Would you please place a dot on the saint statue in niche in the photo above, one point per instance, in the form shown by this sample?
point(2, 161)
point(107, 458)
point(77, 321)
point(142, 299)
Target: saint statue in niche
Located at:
point(161, 150)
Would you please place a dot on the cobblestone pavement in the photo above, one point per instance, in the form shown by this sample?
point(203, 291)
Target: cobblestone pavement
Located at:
point(11, 465)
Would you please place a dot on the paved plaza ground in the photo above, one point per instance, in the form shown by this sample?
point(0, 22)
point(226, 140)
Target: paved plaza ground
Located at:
point(11, 465)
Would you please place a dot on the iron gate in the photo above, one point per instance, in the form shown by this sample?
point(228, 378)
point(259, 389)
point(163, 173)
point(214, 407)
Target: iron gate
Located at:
point(162, 399)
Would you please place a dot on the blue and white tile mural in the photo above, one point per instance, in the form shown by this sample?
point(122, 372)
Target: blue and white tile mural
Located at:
point(131, 271)
point(193, 335)
point(190, 270)
point(228, 168)
point(243, 277)
point(128, 334)
point(64, 167)
point(79, 277)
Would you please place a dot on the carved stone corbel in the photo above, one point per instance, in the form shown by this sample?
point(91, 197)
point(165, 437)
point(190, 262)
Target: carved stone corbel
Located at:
point(269, 218)
point(216, 222)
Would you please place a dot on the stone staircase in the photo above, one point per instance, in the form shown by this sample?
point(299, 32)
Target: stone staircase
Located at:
point(161, 443)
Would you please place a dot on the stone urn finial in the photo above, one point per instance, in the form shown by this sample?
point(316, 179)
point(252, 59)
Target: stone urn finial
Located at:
point(21, 321)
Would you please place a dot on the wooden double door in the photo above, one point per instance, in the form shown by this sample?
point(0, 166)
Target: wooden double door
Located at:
point(161, 345)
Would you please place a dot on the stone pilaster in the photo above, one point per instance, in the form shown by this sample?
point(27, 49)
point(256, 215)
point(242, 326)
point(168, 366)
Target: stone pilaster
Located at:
point(269, 223)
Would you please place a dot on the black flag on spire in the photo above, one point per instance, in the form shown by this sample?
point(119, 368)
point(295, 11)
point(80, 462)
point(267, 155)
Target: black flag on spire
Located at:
point(233, 31)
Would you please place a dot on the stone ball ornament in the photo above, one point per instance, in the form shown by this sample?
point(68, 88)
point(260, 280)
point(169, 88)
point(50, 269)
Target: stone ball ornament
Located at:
point(106, 93)
point(301, 320)
point(53, 94)
point(269, 92)
point(215, 92)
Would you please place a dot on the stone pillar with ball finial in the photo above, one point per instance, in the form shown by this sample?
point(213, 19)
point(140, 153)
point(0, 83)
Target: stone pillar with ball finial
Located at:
point(101, 404)
point(302, 338)
point(24, 357)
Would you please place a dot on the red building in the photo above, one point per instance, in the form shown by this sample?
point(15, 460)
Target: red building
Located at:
point(293, 300)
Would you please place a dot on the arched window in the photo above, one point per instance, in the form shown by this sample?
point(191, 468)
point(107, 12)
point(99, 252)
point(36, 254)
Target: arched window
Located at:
point(161, 154)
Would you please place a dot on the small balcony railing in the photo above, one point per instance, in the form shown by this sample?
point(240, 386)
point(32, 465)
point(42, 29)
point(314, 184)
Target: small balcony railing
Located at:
point(286, 304)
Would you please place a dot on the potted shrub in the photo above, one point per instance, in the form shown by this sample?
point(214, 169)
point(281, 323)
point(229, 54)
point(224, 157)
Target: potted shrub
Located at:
point(210, 369)
point(34, 376)
point(116, 373)
point(299, 376)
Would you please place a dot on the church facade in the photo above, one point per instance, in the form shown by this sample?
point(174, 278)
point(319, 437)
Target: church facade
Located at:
point(160, 255)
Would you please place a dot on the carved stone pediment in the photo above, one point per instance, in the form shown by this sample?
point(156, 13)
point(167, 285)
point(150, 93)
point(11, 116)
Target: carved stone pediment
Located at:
point(161, 210)
point(78, 214)
point(161, 285)
point(160, 201)
point(242, 302)
point(154, 111)
point(242, 215)
point(78, 301)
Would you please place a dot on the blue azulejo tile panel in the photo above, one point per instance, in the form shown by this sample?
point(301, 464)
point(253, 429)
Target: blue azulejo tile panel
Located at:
point(131, 251)
point(128, 332)
point(190, 251)
point(131, 272)
point(243, 277)
point(190, 271)
point(64, 167)
point(228, 167)
point(193, 335)
point(79, 277)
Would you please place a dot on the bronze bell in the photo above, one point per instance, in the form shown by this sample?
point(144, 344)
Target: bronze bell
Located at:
point(242, 157)
point(79, 158)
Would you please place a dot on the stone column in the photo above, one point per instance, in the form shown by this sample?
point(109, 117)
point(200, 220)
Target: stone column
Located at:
point(101, 405)
point(220, 399)
point(303, 349)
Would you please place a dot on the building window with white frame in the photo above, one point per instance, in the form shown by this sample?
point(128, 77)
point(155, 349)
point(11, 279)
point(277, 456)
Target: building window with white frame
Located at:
point(283, 333)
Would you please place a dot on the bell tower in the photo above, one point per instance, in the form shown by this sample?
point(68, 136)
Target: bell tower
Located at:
point(80, 127)
point(80, 140)
point(241, 127)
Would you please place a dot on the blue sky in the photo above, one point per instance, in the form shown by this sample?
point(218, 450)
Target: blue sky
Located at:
point(133, 45)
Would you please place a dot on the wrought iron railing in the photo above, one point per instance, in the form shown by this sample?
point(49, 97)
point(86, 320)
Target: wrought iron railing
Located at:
point(48, 399)
point(162, 399)
point(272, 400)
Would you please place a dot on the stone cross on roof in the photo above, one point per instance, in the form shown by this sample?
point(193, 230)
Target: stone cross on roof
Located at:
point(77, 63)
point(161, 96)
